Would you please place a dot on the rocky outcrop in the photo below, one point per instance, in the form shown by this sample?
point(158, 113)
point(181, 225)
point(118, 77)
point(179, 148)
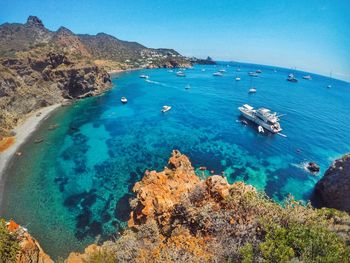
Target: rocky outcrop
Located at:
point(333, 190)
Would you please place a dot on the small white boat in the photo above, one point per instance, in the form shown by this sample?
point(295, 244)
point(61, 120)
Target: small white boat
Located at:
point(238, 69)
point(307, 77)
point(252, 90)
point(329, 86)
point(222, 70)
point(217, 74)
point(260, 129)
point(123, 100)
point(253, 74)
point(238, 78)
point(143, 76)
point(258, 71)
point(165, 108)
point(203, 69)
point(187, 86)
point(180, 74)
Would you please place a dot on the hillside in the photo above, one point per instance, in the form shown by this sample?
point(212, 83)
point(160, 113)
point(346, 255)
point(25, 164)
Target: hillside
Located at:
point(39, 67)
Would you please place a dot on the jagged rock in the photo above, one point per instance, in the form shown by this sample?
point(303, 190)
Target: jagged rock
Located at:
point(333, 189)
point(313, 167)
point(35, 21)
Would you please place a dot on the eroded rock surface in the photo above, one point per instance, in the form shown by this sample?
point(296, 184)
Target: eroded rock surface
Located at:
point(333, 189)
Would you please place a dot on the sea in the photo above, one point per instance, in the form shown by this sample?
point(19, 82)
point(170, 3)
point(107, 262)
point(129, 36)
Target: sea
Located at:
point(73, 189)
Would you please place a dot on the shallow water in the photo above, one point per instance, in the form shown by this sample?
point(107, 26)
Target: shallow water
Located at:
point(73, 189)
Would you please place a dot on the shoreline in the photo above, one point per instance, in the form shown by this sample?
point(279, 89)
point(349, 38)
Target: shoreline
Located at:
point(117, 71)
point(23, 131)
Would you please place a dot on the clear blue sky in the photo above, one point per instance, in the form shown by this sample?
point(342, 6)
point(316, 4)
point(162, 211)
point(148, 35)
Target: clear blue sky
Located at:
point(312, 35)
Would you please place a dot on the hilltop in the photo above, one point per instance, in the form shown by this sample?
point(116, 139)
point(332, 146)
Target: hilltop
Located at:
point(39, 67)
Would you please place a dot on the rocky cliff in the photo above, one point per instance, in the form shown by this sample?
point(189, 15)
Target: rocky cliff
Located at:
point(33, 81)
point(176, 217)
point(333, 190)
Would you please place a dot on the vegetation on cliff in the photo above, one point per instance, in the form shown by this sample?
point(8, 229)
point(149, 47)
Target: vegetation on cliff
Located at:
point(9, 245)
point(176, 217)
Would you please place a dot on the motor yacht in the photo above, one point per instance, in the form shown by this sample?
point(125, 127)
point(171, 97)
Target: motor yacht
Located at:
point(262, 116)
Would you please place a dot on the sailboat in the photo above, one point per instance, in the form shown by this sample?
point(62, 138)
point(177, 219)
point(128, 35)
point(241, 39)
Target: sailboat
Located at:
point(329, 85)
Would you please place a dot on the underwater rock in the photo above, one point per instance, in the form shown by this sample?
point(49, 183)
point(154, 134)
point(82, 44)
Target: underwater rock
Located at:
point(313, 167)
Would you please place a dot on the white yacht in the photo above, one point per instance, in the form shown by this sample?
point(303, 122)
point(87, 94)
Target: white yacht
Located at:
point(222, 70)
point(143, 76)
point(165, 108)
point(180, 74)
point(238, 78)
point(217, 74)
point(263, 117)
point(123, 100)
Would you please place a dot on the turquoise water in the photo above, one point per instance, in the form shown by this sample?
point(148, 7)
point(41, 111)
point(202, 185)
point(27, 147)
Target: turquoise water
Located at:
point(73, 189)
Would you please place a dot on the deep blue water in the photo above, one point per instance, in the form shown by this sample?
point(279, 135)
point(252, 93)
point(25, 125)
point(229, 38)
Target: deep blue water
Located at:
point(73, 188)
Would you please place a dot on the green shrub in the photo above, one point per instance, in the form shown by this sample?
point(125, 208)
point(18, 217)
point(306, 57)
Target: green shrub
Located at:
point(309, 243)
point(8, 244)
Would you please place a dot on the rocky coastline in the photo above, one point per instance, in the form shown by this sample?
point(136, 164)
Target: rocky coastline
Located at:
point(177, 217)
point(333, 190)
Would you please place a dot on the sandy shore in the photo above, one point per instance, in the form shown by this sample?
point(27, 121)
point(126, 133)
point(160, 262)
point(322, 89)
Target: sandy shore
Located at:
point(22, 132)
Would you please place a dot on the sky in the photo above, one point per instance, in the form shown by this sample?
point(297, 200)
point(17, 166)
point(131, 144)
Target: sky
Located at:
point(310, 35)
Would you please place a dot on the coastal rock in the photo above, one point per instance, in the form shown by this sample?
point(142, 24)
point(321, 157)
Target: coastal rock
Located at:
point(333, 190)
point(158, 192)
point(313, 167)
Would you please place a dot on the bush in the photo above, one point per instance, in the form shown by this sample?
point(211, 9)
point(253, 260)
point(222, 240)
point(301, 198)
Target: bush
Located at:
point(9, 246)
point(309, 243)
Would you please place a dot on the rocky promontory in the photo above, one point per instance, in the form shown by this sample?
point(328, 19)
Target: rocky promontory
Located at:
point(333, 190)
point(176, 217)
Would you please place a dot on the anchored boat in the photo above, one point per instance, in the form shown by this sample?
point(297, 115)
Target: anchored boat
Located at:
point(180, 74)
point(165, 108)
point(292, 78)
point(262, 117)
point(123, 100)
point(144, 76)
point(217, 74)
